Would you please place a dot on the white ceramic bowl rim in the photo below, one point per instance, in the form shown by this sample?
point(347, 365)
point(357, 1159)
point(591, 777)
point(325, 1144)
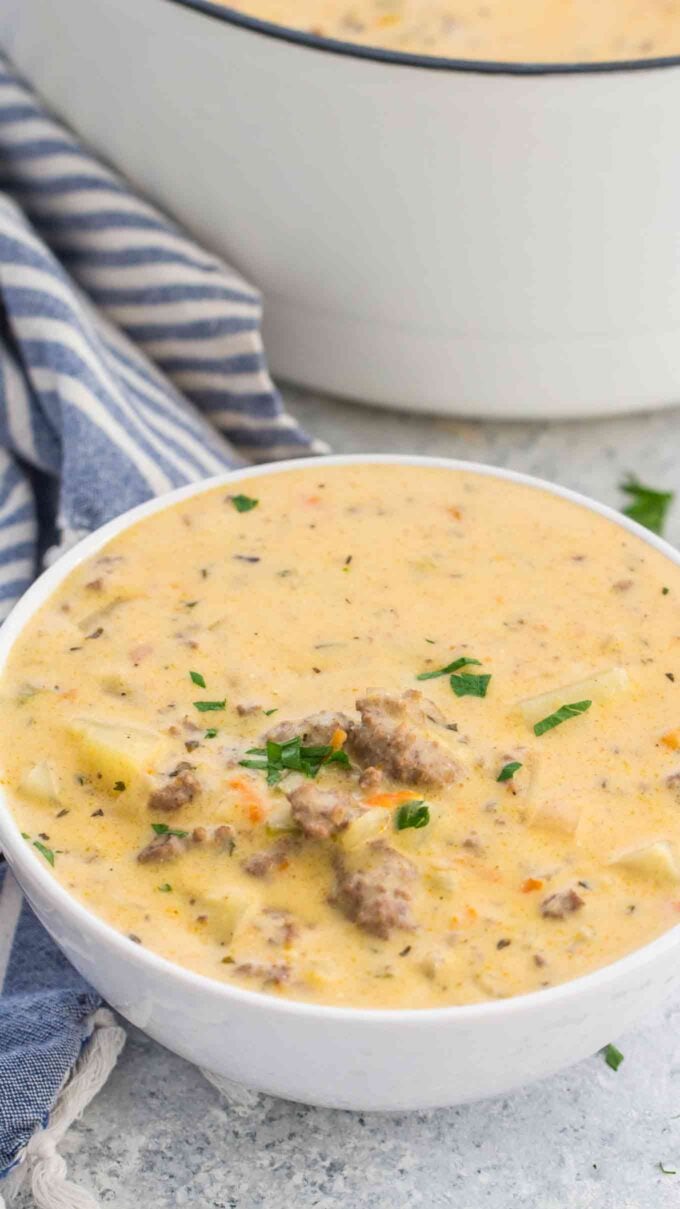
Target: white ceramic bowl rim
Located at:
point(409, 59)
point(23, 856)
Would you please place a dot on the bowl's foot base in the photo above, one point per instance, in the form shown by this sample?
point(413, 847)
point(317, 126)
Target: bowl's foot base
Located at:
point(449, 373)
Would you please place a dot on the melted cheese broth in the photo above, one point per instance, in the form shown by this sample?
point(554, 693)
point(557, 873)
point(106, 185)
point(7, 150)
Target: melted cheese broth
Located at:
point(269, 609)
point(533, 31)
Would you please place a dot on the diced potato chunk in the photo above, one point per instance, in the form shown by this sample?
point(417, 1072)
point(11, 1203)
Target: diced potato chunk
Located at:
point(40, 782)
point(115, 684)
point(560, 815)
point(440, 875)
point(497, 984)
point(229, 913)
point(98, 616)
point(656, 862)
point(368, 826)
point(117, 751)
point(280, 820)
point(600, 687)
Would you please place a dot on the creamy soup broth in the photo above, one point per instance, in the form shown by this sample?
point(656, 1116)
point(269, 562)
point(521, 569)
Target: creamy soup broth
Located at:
point(526, 30)
point(399, 841)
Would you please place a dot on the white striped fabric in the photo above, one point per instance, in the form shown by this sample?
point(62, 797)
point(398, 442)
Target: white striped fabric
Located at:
point(131, 360)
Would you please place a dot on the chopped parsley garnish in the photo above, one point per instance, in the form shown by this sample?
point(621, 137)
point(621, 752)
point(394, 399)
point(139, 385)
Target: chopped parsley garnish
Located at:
point(44, 851)
point(450, 667)
point(205, 706)
point(647, 506)
point(197, 679)
point(561, 715)
point(269, 712)
point(211, 733)
point(243, 503)
point(665, 591)
point(612, 1056)
point(469, 685)
point(163, 829)
point(412, 814)
point(277, 758)
point(668, 1170)
point(119, 786)
point(165, 888)
point(508, 770)
point(25, 835)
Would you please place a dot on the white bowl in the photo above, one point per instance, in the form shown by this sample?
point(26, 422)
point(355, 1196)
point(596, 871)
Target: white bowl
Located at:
point(340, 1057)
point(459, 237)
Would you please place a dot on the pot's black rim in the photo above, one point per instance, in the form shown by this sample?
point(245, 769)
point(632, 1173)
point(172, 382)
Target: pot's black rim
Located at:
point(426, 62)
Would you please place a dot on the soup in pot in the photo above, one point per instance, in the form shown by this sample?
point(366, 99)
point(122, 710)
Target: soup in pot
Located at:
point(534, 31)
point(379, 735)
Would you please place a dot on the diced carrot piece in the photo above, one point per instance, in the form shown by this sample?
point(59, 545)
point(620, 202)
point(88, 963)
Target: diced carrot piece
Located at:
point(671, 740)
point(249, 796)
point(531, 883)
point(388, 800)
point(455, 513)
point(490, 875)
point(338, 738)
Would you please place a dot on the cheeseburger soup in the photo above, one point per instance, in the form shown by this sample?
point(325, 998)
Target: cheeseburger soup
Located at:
point(539, 31)
point(370, 735)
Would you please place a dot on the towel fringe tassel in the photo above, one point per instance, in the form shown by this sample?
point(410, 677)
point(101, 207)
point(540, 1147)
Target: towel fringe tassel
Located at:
point(241, 1100)
point(41, 1161)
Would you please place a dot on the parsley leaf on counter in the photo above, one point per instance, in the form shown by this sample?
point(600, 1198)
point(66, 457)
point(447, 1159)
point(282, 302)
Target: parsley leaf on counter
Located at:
point(612, 1056)
point(508, 770)
point(211, 733)
point(450, 667)
point(647, 506)
point(561, 715)
point(165, 888)
point(412, 814)
point(204, 706)
point(197, 679)
point(163, 829)
point(277, 758)
point(470, 685)
point(243, 503)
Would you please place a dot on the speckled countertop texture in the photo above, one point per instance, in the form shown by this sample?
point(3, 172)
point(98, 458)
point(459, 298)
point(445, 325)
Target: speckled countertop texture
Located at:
point(160, 1136)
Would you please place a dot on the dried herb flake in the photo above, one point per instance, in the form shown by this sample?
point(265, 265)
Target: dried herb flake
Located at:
point(561, 715)
point(243, 503)
point(415, 813)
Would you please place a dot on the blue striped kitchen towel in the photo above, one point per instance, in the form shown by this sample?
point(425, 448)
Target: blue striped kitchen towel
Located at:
point(130, 363)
